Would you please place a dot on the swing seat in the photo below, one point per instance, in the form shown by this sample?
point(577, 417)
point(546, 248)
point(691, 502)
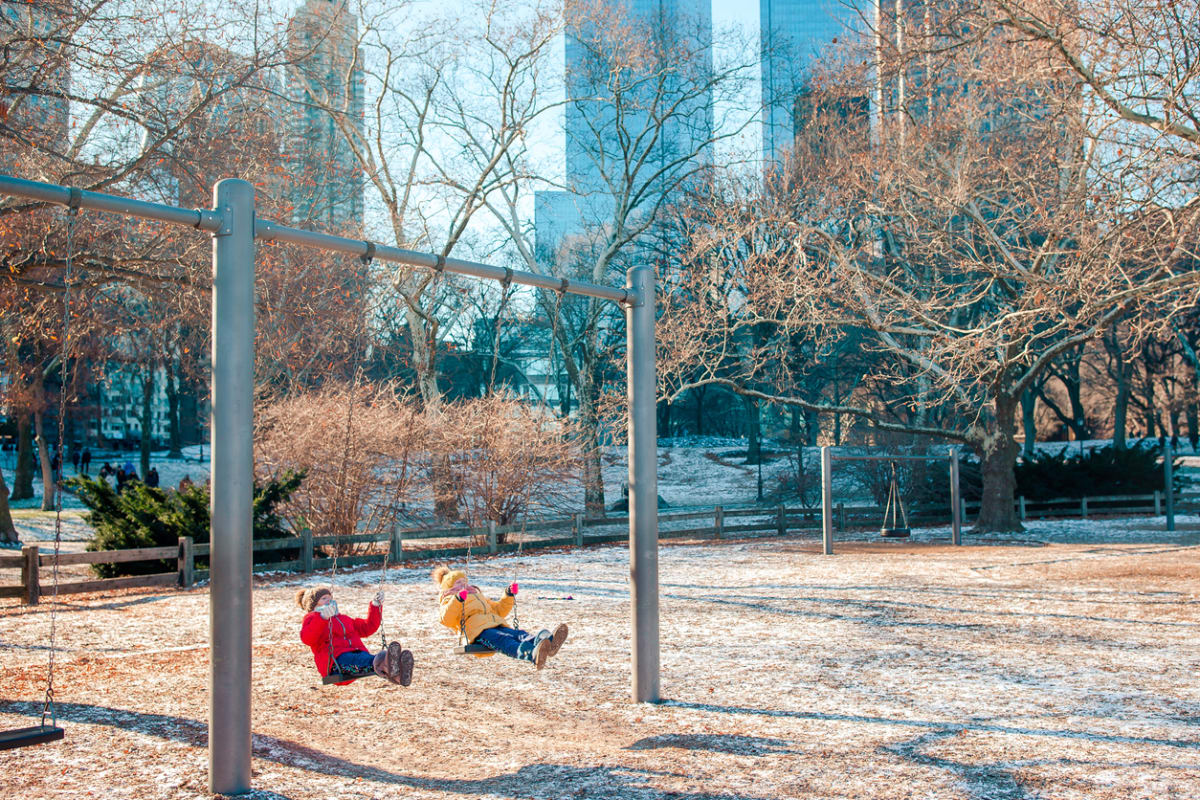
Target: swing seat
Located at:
point(895, 533)
point(479, 650)
point(334, 678)
point(24, 737)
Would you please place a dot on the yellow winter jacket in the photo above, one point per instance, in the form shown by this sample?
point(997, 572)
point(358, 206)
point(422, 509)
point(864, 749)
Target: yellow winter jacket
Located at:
point(476, 613)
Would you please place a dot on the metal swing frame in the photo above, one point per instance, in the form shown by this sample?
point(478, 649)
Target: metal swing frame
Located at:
point(827, 459)
point(234, 229)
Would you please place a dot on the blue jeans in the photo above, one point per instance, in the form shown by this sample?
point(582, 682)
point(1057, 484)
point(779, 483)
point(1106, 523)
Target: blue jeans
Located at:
point(512, 642)
point(355, 662)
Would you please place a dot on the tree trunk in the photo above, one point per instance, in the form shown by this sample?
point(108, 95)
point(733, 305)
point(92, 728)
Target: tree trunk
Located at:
point(699, 393)
point(23, 477)
point(44, 458)
point(1074, 386)
point(998, 454)
point(175, 444)
point(1029, 421)
point(8, 531)
point(1121, 405)
point(147, 420)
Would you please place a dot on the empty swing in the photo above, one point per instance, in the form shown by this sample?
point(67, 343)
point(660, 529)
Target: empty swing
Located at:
point(894, 503)
point(43, 733)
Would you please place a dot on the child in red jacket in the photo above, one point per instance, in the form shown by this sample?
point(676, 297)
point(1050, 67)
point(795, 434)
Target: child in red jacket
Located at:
point(336, 639)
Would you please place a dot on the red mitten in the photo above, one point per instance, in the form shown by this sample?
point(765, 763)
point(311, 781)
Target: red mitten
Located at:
point(462, 596)
point(512, 590)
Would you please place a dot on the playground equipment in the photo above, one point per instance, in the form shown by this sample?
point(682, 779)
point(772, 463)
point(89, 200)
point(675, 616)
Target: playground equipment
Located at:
point(234, 229)
point(895, 503)
point(827, 459)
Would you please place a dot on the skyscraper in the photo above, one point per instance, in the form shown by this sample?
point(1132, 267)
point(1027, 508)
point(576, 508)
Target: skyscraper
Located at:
point(325, 87)
point(793, 33)
point(629, 128)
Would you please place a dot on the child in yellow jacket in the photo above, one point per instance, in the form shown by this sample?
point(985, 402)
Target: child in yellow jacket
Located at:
point(464, 608)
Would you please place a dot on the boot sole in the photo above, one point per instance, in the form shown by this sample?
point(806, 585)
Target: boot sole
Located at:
point(406, 668)
point(556, 640)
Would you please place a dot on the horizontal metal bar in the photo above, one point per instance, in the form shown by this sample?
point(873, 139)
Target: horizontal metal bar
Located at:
point(274, 232)
point(891, 458)
point(199, 218)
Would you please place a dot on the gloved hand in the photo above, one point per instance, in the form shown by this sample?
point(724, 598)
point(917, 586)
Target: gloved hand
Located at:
point(327, 611)
point(377, 600)
point(511, 589)
point(462, 595)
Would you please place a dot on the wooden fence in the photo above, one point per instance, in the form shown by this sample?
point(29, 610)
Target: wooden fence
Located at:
point(306, 553)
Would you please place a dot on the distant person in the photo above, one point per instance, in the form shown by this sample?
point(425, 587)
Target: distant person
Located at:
point(130, 472)
point(56, 464)
point(152, 477)
point(186, 483)
point(75, 459)
point(85, 460)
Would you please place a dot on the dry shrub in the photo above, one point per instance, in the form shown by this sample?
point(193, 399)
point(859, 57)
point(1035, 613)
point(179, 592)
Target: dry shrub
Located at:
point(509, 460)
point(363, 450)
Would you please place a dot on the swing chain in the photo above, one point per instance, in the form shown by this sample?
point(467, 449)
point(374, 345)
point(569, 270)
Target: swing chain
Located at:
point(72, 217)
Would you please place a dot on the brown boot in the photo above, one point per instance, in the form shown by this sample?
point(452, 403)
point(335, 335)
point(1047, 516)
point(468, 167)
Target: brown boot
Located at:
point(400, 664)
point(556, 640)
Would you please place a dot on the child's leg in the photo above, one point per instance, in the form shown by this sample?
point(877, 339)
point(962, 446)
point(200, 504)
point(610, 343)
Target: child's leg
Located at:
point(512, 642)
point(356, 662)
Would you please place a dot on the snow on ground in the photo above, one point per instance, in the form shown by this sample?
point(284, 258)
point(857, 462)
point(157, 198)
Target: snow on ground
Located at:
point(1065, 671)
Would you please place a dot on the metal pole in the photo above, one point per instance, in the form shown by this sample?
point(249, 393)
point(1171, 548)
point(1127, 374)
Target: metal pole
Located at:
point(826, 501)
point(643, 483)
point(1169, 488)
point(955, 500)
point(232, 485)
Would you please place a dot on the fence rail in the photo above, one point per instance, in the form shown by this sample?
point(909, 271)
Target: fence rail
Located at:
point(316, 553)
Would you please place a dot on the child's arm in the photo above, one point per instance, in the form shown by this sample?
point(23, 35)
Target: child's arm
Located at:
point(314, 630)
point(365, 627)
point(451, 612)
point(502, 607)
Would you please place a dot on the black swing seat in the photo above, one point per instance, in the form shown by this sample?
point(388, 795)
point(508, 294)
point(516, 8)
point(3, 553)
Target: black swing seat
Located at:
point(335, 678)
point(472, 650)
point(895, 533)
point(23, 737)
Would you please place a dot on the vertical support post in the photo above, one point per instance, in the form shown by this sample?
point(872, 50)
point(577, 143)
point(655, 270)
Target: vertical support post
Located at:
point(29, 574)
point(841, 517)
point(187, 562)
point(956, 505)
point(719, 522)
point(231, 556)
point(491, 534)
point(306, 550)
point(1169, 487)
point(781, 520)
point(643, 483)
point(1021, 508)
point(1157, 503)
point(826, 501)
point(578, 530)
point(396, 547)
point(1083, 507)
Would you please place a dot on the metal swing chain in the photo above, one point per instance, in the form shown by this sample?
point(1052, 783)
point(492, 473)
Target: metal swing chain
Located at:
point(72, 216)
point(504, 297)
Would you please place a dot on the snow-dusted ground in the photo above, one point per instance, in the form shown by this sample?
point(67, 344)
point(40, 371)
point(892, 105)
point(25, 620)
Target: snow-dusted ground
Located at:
point(889, 670)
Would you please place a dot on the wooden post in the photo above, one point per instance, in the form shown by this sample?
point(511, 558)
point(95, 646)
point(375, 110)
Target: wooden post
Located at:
point(1169, 487)
point(1021, 508)
point(306, 549)
point(781, 521)
point(958, 513)
point(1157, 503)
point(579, 530)
point(719, 522)
point(187, 563)
point(841, 517)
point(29, 574)
point(397, 544)
point(491, 536)
point(1083, 507)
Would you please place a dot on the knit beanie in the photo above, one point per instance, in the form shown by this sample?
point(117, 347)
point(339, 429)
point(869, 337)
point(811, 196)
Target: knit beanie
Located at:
point(307, 598)
point(445, 577)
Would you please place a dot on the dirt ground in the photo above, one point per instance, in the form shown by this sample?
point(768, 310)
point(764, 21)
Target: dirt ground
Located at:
point(886, 671)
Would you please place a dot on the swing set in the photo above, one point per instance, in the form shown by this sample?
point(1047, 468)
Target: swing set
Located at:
point(234, 228)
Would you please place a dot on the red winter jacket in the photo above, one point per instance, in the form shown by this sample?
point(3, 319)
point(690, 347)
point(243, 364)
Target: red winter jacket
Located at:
point(345, 632)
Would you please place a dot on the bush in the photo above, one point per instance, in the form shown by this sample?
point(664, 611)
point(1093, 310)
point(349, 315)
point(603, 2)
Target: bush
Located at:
point(1104, 471)
point(144, 516)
